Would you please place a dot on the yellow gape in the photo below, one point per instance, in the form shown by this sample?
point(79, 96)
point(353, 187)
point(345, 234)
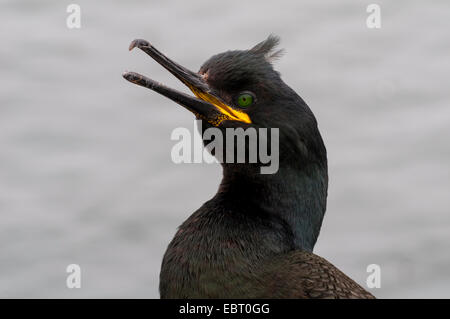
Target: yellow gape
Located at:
point(228, 112)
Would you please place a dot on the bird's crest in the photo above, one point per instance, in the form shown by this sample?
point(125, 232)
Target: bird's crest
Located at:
point(267, 48)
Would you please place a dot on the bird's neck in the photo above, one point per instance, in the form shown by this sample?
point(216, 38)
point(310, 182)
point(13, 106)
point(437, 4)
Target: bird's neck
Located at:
point(295, 196)
point(219, 251)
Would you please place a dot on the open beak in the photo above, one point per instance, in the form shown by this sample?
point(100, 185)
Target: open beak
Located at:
point(206, 105)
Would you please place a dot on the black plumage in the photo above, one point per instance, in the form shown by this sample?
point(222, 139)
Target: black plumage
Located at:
point(254, 238)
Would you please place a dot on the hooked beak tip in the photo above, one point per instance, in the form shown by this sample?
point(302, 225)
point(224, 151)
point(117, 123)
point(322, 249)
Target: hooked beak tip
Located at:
point(138, 43)
point(126, 75)
point(132, 77)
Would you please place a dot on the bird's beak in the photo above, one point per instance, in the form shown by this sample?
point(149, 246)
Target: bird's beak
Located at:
point(206, 105)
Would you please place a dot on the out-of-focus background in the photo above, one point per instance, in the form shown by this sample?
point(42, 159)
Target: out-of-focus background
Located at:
point(86, 175)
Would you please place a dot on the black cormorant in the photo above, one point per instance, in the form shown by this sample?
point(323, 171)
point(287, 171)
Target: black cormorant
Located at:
point(254, 238)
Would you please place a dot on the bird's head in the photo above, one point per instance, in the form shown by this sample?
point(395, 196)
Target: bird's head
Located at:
point(240, 88)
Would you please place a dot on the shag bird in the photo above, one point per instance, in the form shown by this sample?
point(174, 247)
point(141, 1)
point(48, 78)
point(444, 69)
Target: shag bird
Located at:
point(255, 237)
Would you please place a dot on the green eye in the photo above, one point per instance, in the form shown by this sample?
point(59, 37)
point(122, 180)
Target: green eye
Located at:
point(245, 99)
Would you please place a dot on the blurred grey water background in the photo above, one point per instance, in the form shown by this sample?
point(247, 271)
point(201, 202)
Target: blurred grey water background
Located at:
point(85, 169)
